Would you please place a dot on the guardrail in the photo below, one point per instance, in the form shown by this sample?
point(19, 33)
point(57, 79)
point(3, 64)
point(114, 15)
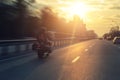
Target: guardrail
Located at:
point(10, 48)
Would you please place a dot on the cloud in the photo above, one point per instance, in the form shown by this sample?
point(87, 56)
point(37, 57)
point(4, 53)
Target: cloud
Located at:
point(118, 16)
point(115, 7)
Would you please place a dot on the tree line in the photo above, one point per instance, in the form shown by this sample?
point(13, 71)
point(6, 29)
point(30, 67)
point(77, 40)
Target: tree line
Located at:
point(19, 20)
point(113, 32)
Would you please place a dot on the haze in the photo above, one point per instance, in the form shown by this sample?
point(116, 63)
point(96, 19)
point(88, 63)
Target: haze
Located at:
point(98, 15)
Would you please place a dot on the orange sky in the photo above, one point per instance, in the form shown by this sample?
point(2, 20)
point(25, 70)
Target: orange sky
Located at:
point(98, 15)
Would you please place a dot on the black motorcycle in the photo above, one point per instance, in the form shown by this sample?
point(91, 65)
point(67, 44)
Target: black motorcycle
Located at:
point(43, 50)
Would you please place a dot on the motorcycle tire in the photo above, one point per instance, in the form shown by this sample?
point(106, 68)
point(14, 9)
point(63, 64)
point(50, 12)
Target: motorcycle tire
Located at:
point(40, 55)
point(47, 54)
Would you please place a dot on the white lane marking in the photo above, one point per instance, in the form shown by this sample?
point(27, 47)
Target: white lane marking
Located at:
point(74, 60)
point(86, 50)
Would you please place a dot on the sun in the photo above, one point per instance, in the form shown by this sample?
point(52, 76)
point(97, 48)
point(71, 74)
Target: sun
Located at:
point(73, 9)
point(78, 9)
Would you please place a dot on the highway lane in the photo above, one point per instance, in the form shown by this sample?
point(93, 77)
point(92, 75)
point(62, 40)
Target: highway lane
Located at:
point(88, 60)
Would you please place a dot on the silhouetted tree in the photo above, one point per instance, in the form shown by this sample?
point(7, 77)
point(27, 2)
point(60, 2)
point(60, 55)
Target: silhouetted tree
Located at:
point(21, 24)
point(7, 17)
point(114, 32)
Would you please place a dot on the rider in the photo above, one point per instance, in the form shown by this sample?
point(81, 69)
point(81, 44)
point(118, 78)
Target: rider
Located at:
point(44, 39)
point(42, 35)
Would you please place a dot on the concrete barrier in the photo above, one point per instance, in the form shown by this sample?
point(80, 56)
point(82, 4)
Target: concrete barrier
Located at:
point(10, 48)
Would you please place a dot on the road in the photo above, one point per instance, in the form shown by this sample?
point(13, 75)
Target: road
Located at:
point(88, 60)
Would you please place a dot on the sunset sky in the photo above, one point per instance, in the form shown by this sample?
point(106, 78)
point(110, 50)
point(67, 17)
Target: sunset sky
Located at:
point(98, 15)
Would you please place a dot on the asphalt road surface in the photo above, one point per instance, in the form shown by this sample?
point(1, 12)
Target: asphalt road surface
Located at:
point(88, 60)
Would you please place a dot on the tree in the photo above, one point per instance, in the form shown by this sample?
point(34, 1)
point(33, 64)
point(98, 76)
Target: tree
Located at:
point(21, 24)
point(13, 19)
point(114, 32)
point(7, 17)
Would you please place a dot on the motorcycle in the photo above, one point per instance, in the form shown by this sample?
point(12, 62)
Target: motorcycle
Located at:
point(42, 50)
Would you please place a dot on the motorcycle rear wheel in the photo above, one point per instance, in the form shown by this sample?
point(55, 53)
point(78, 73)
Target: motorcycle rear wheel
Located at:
point(40, 54)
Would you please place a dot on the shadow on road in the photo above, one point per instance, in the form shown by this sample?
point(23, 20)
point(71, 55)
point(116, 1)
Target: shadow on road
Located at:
point(20, 72)
point(110, 63)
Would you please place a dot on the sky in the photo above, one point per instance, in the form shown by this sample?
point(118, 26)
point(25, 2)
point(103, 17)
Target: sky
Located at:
point(99, 15)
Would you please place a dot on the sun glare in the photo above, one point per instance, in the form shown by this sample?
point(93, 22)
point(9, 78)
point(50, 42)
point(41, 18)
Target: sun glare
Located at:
point(79, 9)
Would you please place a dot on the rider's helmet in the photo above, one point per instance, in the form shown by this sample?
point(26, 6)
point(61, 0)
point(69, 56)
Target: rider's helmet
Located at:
point(42, 33)
point(43, 30)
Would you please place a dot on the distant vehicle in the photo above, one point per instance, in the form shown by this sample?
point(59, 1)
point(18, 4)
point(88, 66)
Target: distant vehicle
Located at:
point(116, 40)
